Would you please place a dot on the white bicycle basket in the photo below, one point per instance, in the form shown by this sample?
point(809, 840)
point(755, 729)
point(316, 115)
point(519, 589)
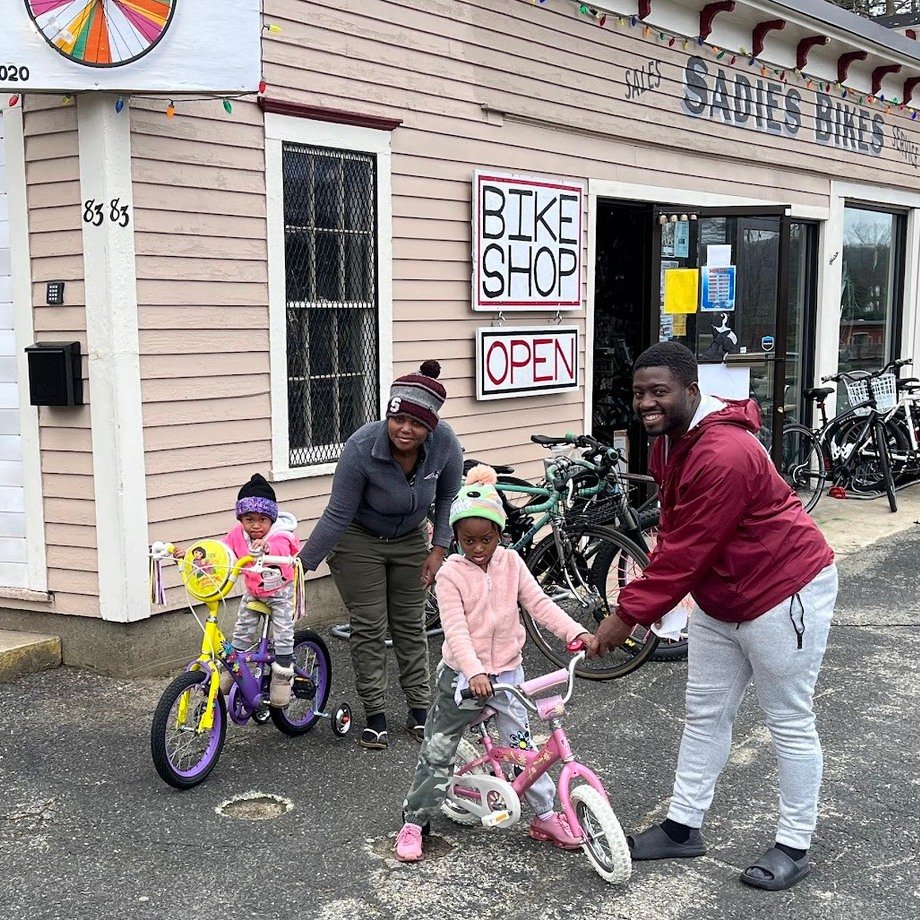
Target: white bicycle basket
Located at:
point(884, 389)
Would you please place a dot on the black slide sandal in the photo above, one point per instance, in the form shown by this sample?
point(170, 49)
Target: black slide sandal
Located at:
point(784, 871)
point(654, 843)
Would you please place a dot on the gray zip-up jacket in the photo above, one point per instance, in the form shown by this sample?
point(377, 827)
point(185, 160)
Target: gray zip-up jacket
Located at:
point(370, 489)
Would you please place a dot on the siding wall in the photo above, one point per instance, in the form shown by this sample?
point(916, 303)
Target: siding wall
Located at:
point(447, 69)
point(56, 243)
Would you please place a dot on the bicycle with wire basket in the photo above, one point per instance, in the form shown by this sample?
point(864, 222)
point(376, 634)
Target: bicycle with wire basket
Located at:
point(190, 721)
point(868, 450)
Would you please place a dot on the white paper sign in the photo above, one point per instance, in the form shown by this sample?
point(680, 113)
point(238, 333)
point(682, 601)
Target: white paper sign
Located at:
point(730, 381)
point(163, 46)
point(525, 361)
point(527, 242)
point(718, 256)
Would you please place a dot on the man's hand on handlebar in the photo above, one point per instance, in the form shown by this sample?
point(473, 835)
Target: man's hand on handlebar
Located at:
point(583, 642)
point(611, 634)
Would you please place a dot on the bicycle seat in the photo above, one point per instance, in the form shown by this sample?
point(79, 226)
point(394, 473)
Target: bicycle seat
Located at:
point(909, 383)
point(502, 470)
point(484, 716)
point(817, 392)
point(259, 607)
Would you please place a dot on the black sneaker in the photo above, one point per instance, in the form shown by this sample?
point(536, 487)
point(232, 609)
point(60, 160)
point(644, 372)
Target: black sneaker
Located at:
point(415, 728)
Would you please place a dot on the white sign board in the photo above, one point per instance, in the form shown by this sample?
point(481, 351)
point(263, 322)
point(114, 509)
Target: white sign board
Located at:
point(527, 242)
point(525, 361)
point(162, 46)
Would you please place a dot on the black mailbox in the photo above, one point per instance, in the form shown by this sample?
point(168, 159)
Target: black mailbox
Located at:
point(55, 374)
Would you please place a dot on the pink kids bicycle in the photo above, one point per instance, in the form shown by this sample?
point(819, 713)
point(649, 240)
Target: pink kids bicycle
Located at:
point(487, 788)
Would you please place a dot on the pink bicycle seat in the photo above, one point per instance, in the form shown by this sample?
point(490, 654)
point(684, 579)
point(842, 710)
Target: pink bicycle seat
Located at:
point(483, 716)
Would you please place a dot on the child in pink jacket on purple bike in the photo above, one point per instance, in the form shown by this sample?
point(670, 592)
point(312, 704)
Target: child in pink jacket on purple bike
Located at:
point(478, 597)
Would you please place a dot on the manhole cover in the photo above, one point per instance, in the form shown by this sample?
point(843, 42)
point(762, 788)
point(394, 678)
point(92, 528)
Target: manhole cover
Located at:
point(254, 806)
point(434, 846)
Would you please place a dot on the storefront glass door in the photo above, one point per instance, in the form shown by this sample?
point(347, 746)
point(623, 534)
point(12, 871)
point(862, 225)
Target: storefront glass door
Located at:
point(737, 320)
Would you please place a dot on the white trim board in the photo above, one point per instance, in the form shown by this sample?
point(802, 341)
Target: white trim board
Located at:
point(114, 362)
point(21, 274)
point(278, 129)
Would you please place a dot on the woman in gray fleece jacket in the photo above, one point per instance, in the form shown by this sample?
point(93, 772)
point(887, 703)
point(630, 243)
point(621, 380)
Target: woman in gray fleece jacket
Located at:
point(373, 535)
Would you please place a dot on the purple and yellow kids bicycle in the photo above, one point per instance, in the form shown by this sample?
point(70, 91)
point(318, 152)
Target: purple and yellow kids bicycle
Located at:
point(487, 788)
point(190, 720)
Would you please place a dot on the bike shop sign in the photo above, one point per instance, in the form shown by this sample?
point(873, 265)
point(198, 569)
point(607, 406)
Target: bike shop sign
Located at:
point(525, 361)
point(527, 252)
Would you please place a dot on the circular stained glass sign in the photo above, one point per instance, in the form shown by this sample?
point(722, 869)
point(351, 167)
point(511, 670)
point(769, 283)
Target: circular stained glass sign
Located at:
point(102, 33)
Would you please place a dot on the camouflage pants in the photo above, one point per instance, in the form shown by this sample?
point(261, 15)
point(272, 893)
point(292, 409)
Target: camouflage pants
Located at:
point(443, 730)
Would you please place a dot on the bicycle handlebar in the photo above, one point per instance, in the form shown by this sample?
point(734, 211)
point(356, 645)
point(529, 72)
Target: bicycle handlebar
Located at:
point(867, 375)
point(525, 700)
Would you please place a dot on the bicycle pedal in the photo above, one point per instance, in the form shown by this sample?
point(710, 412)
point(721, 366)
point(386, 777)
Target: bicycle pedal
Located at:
point(837, 492)
point(304, 688)
point(495, 818)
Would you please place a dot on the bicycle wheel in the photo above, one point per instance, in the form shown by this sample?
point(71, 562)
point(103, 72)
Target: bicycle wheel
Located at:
point(668, 649)
point(884, 465)
point(864, 474)
point(183, 754)
point(802, 465)
point(312, 683)
point(605, 843)
point(586, 585)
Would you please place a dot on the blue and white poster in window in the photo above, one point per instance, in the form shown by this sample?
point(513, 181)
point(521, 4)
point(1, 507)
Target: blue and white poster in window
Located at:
point(718, 288)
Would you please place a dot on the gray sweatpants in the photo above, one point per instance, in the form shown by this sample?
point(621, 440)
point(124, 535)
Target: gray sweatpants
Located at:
point(282, 608)
point(723, 659)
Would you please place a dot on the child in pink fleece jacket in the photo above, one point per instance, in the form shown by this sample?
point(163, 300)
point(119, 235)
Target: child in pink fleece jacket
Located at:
point(479, 593)
point(262, 528)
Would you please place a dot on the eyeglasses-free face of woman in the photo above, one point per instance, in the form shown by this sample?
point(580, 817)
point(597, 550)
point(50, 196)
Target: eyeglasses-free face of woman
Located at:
point(406, 434)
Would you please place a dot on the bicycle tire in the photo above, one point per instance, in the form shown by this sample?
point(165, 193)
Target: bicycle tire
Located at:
point(301, 715)
point(864, 476)
point(169, 767)
point(881, 444)
point(802, 464)
point(593, 561)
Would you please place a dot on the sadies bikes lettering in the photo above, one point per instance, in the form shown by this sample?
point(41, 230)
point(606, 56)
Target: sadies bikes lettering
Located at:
point(775, 108)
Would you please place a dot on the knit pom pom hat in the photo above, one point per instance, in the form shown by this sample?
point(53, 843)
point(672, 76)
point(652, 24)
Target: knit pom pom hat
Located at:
point(257, 497)
point(478, 498)
point(418, 395)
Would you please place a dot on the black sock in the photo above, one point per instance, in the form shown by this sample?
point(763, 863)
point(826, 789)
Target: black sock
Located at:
point(679, 833)
point(791, 852)
point(418, 715)
point(377, 722)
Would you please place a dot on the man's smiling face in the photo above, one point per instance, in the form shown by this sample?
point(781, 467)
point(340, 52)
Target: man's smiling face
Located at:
point(665, 405)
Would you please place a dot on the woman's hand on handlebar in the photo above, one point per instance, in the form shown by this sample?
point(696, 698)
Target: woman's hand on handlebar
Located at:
point(481, 686)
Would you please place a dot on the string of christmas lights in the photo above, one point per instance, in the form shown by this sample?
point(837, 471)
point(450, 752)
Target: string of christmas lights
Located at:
point(809, 81)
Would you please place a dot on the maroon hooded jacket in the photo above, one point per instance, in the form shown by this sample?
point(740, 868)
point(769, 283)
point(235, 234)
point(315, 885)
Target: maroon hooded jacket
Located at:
point(733, 534)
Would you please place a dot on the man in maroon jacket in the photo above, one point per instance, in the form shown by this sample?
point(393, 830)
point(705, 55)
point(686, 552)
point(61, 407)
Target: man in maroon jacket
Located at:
point(735, 537)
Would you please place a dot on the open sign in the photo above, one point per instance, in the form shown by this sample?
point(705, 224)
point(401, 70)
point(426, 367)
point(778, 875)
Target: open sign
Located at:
point(525, 361)
point(526, 243)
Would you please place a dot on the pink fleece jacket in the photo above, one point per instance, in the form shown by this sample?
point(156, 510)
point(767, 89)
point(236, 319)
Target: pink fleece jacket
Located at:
point(280, 541)
point(483, 633)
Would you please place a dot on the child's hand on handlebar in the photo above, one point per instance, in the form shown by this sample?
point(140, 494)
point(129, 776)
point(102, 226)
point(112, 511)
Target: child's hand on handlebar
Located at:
point(258, 546)
point(481, 686)
point(178, 553)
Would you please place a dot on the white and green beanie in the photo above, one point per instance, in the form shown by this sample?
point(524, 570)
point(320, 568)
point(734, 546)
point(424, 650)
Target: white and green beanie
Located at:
point(478, 498)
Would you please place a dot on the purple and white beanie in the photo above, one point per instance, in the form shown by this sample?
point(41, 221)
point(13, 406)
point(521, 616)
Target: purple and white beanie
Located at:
point(258, 497)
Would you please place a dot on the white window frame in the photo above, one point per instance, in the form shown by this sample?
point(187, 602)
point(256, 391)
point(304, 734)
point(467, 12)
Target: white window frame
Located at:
point(281, 129)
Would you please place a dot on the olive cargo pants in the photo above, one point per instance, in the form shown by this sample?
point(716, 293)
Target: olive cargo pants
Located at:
point(380, 583)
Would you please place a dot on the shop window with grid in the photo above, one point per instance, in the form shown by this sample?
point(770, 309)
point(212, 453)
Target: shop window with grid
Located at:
point(330, 248)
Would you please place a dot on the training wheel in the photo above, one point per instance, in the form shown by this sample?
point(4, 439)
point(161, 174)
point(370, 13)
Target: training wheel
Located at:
point(262, 715)
point(341, 720)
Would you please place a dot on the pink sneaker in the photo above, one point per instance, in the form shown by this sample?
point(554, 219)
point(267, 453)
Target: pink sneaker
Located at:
point(556, 830)
point(409, 843)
